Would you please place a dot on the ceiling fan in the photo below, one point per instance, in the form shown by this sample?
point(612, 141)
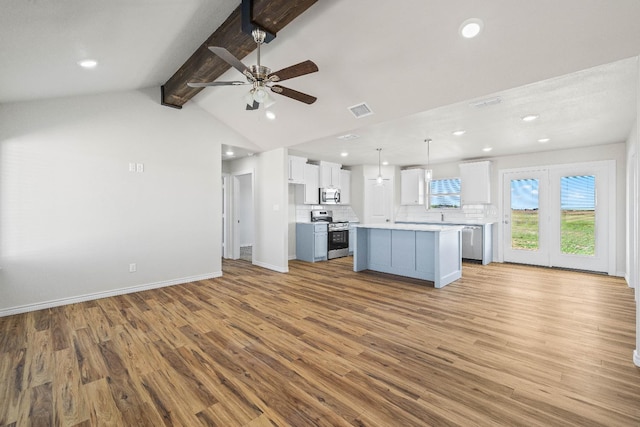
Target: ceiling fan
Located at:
point(261, 78)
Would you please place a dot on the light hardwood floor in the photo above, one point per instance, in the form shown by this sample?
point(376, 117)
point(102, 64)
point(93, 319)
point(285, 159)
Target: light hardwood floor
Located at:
point(324, 346)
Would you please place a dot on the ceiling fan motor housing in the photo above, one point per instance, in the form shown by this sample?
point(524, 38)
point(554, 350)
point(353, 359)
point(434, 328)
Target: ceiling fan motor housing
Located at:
point(260, 72)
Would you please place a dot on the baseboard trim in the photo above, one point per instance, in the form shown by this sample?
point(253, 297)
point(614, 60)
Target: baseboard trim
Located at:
point(636, 358)
point(98, 295)
point(271, 267)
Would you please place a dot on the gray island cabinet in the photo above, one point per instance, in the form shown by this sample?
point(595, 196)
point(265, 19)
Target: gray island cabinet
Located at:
point(311, 241)
point(427, 252)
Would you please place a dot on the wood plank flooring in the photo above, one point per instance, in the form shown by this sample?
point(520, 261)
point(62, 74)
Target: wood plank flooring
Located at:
point(324, 346)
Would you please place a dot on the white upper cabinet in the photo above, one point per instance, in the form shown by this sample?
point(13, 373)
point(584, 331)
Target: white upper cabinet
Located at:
point(296, 169)
point(330, 175)
point(412, 187)
point(345, 186)
point(307, 194)
point(475, 183)
point(311, 184)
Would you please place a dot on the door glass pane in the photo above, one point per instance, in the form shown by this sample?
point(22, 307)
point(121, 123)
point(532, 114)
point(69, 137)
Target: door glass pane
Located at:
point(578, 216)
point(524, 214)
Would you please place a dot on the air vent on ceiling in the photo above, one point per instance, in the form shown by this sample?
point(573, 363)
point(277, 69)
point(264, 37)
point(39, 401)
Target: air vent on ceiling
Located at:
point(348, 137)
point(360, 110)
point(486, 102)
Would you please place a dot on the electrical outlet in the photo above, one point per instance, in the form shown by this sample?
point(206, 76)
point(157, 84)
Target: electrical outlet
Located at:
point(132, 167)
point(139, 167)
point(133, 267)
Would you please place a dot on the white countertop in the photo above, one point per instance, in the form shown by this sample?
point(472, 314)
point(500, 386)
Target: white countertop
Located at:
point(447, 222)
point(411, 227)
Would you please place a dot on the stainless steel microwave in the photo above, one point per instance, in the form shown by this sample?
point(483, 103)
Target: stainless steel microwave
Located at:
point(329, 196)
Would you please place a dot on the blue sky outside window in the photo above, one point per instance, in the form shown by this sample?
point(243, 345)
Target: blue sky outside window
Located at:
point(578, 193)
point(444, 193)
point(524, 194)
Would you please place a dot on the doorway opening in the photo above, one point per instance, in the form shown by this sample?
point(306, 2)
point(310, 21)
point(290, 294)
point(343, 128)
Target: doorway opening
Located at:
point(238, 216)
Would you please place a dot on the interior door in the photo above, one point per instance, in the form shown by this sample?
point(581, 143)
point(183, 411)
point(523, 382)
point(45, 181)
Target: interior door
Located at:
point(526, 217)
point(378, 201)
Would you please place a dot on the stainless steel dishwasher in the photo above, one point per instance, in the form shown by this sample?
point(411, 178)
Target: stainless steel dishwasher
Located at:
point(472, 242)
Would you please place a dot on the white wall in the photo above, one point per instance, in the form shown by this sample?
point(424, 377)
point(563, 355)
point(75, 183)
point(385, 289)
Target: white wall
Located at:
point(291, 225)
point(633, 147)
point(272, 212)
point(632, 208)
point(72, 216)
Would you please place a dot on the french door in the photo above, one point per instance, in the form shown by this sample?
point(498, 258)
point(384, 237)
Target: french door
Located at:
point(559, 216)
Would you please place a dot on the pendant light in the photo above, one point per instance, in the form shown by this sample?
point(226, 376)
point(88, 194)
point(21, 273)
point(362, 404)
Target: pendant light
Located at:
point(428, 173)
point(379, 178)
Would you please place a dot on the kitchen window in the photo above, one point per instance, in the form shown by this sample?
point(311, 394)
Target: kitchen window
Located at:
point(444, 193)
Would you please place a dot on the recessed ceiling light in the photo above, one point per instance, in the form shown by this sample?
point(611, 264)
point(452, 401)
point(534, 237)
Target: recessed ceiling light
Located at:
point(544, 140)
point(459, 132)
point(88, 63)
point(229, 153)
point(471, 28)
point(344, 154)
point(487, 149)
point(530, 117)
point(385, 163)
point(270, 115)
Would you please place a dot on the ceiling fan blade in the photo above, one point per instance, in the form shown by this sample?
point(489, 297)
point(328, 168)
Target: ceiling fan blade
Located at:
point(227, 57)
point(293, 94)
point(305, 67)
point(207, 84)
point(255, 106)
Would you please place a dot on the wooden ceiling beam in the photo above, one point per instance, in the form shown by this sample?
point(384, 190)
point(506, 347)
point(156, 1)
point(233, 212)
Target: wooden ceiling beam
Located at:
point(204, 66)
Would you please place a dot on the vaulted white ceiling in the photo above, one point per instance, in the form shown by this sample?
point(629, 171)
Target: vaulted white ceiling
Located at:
point(566, 60)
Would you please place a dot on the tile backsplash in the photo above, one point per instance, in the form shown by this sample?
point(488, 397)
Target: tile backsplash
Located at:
point(407, 213)
point(466, 213)
point(340, 212)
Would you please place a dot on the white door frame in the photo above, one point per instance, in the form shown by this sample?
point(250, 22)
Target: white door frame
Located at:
point(607, 168)
point(226, 215)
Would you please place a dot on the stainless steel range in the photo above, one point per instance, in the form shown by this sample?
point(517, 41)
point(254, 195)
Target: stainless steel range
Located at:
point(338, 233)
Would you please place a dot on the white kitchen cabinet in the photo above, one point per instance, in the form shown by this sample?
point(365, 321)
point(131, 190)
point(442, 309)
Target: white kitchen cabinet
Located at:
point(345, 186)
point(475, 183)
point(307, 194)
point(412, 187)
point(329, 174)
point(296, 169)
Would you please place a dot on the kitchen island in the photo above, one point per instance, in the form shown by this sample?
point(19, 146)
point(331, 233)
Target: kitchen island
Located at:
point(427, 252)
